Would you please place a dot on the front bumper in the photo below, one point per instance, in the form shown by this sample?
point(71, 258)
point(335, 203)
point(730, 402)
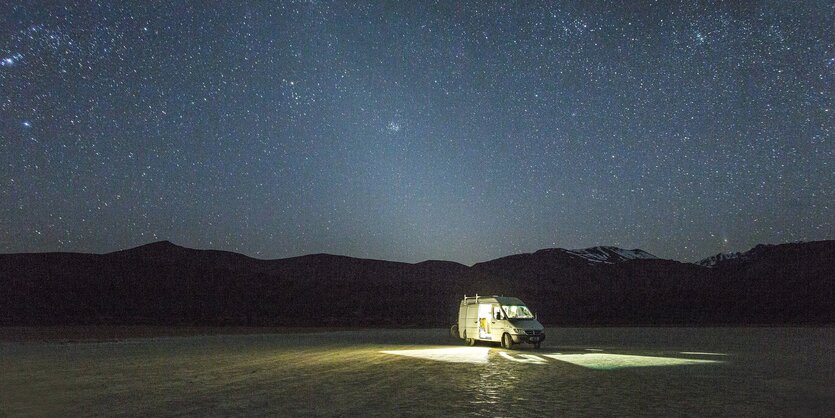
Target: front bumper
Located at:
point(528, 338)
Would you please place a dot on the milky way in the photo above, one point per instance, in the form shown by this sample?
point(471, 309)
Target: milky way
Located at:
point(416, 130)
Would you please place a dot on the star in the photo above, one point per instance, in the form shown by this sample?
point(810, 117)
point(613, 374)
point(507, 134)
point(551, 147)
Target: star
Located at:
point(11, 60)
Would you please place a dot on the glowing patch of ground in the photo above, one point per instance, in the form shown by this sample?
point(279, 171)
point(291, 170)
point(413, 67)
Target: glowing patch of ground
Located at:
point(702, 353)
point(523, 358)
point(601, 361)
point(473, 355)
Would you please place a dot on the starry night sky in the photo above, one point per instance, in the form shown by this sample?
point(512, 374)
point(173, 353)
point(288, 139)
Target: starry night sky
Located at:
point(408, 131)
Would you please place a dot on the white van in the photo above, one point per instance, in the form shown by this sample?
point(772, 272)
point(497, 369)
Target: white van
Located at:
point(497, 318)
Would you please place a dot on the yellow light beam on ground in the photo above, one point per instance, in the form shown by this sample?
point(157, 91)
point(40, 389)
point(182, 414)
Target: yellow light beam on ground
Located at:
point(474, 355)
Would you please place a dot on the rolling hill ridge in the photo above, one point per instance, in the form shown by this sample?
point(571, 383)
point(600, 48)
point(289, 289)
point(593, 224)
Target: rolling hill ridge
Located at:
point(162, 283)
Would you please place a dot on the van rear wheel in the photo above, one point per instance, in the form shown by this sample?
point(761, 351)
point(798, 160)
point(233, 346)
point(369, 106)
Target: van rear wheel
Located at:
point(469, 341)
point(507, 341)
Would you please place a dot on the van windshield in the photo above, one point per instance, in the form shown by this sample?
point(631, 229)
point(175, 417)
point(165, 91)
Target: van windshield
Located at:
point(517, 312)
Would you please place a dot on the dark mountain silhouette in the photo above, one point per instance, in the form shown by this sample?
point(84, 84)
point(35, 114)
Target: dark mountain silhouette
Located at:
point(162, 283)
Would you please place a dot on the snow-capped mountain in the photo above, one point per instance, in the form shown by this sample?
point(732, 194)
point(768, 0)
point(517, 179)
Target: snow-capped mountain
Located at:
point(714, 260)
point(610, 255)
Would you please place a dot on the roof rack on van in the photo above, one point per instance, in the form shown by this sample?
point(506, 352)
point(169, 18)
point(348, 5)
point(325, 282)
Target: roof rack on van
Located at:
point(468, 299)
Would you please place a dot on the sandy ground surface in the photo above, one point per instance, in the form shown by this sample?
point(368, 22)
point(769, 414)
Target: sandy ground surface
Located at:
point(578, 371)
point(111, 333)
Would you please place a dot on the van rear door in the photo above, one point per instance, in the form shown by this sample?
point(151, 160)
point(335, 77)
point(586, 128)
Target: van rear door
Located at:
point(485, 321)
point(471, 323)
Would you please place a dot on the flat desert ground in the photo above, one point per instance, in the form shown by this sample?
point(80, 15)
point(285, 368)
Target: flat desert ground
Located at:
point(416, 372)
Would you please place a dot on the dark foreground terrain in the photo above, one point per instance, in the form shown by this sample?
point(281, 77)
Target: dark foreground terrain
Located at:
point(579, 371)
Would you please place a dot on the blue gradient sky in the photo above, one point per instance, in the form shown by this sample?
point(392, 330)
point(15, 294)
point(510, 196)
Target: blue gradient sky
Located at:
point(416, 130)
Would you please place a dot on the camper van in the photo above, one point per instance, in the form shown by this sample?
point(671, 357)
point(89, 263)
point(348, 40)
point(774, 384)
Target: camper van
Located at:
point(499, 319)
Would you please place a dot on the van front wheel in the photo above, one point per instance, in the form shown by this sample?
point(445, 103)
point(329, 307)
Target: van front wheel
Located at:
point(507, 341)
